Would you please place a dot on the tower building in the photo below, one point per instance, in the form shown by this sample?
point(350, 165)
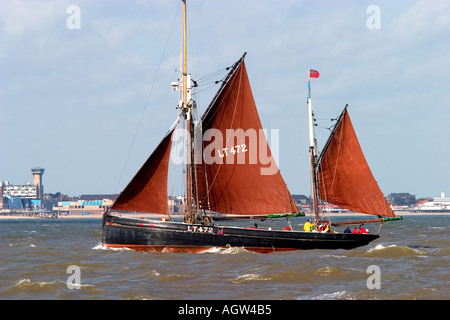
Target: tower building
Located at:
point(37, 181)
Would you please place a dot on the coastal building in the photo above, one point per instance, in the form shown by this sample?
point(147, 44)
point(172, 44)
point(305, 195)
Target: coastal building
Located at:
point(23, 196)
point(3, 202)
point(27, 191)
point(87, 204)
point(300, 200)
point(97, 203)
point(438, 204)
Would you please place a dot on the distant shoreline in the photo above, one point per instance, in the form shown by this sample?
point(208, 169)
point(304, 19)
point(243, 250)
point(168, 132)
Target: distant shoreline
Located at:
point(157, 216)
point(74, 216)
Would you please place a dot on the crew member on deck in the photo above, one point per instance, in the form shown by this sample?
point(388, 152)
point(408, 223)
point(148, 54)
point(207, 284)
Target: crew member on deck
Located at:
point(324, 227)
point(308, 225)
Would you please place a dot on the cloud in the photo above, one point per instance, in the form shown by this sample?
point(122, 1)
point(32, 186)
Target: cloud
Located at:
point(20, 17)
point(81, 93)
point(431, 17)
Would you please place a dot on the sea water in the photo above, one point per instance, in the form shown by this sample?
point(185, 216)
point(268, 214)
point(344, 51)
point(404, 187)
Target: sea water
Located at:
point(64, 259)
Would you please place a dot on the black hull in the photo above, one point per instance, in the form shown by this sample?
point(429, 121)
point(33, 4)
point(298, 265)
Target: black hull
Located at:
point(152, 235)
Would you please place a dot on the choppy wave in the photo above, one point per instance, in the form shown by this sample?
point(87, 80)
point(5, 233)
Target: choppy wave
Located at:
point(328, 271)
point(337, 295)
point(26, 288)
point(380, 251)
point(175, 278)
point(250, 277)
point(438, 228)
point(27, 283)
point(229, 250)
point(291, 277)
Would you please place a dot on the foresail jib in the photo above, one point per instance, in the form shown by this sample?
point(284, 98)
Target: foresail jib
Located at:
point(344, 176)
point(147, 191)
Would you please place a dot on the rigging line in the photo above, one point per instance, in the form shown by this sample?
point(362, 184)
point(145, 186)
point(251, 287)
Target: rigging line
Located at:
point(328, 128)
point(204, 89)
point(212, 75)
point(214, 82)
point(339, 146)
point(324, 121)
point(320, 121)
point(173, 168)
point(222, 87)
point(193, 55)
point(148, 99)
point(208, 84)
point(207, 190)
point(321, 182)
point(194, 169)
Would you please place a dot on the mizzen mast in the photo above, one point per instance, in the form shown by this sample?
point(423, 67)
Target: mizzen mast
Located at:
point(312, 149)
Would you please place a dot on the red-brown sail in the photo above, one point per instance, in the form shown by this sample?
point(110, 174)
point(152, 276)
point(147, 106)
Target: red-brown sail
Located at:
point(344, 177)
point(238, 174)
point(147, 191)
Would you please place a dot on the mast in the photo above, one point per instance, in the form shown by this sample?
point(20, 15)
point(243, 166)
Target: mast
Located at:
point(186, 107)
point(312, 156)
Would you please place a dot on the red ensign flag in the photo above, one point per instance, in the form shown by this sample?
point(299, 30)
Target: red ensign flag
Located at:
point(313, 73)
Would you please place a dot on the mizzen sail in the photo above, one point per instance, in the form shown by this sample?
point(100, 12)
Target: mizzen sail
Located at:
point(147, 191)
point(344, 177)
point(238, 174)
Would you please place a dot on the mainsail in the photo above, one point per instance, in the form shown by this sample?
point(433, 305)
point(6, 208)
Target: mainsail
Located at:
point(147, 191)
point(238, 174)
point(344, 177)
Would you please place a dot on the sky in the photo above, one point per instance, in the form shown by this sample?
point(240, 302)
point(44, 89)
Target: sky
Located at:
point(85, 85)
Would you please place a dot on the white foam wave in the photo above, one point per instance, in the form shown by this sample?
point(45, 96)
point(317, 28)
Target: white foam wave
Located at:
point(437, 228)
point(342, 294)
point(250, 277)
point(22, 283)
point(100, 246)
point(229, 250)
point(381, 247)
point(396, 250)
point(333, 256)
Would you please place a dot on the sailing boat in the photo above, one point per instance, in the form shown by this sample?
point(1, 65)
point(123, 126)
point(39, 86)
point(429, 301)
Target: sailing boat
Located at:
point(230, 171)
